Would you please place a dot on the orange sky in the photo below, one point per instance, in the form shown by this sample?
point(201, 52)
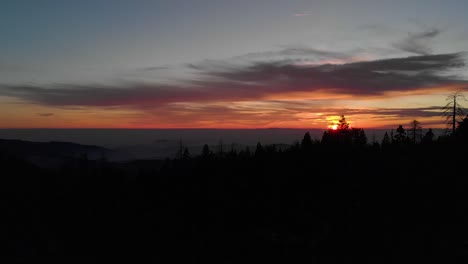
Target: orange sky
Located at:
point(226, 64)
point(380, 93)
point(293, 110)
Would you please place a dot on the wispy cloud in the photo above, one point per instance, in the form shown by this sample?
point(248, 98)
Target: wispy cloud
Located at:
point(153, 68)
point(417, 43)
point(285, 114)
point(295, 54)
point(431, 111)
point(45, 114)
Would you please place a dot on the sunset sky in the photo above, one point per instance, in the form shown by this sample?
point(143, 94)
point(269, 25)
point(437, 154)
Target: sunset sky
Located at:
point(229, 64)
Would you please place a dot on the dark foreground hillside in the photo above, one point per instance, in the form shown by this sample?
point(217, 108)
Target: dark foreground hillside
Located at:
point(321, 204)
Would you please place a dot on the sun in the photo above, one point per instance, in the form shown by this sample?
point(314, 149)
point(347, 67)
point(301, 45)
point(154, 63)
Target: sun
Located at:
point(333, 126)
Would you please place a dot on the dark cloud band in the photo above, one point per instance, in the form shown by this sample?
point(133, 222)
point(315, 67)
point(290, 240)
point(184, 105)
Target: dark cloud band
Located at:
point(255, 81)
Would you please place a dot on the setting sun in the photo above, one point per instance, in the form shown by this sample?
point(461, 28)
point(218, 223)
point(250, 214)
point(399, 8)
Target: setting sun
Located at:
point(333, 126)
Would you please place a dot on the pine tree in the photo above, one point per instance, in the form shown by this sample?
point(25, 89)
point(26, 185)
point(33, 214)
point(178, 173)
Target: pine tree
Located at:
point(306, 142)
point(206, 151)
point(186, 154)
point(428, 137)
point(386, 140)
point(342, 124)
point(259, 151)
point(400, 136)
point(358, 136)
point(343, 134)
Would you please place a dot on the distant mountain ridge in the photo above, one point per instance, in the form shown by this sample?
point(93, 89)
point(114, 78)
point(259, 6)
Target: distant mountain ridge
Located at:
point(15, 146)
point(50, 153)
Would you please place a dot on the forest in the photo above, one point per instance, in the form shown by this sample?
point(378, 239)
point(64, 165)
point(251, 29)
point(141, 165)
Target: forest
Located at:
point(337, 200)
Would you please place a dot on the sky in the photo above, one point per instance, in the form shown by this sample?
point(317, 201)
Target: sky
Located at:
point(229, 64)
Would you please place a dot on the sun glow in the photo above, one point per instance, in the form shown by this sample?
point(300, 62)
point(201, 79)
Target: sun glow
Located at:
point(333, 126)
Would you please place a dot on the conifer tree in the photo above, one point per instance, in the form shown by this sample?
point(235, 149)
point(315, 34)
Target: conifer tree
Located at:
point(428, 137)
point(306, 142)
point(386, 140)
point(400, 136)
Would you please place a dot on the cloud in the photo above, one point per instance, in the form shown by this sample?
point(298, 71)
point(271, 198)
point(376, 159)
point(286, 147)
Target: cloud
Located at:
point(153, 68)
point(290, 54)
point(45, 114)
point(399, 113)
point(224, 82)
point(418, 43)
point(284, 114)
point(359, 78)
point(99, 95)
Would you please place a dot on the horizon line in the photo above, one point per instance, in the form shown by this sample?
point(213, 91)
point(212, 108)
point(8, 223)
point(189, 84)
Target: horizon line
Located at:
point(195, 128)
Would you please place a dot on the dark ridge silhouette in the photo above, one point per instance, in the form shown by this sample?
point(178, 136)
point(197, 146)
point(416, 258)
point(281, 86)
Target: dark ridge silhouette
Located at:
point(26, 148)
point(51, 154)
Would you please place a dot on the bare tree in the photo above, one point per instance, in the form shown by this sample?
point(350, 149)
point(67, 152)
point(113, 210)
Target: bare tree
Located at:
point(453, 110)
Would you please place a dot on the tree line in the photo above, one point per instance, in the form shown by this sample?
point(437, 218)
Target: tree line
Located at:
point(344, 136)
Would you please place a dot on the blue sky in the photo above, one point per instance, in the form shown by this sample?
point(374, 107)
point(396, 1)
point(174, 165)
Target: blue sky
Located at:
point(99, 39)
point(110, 42)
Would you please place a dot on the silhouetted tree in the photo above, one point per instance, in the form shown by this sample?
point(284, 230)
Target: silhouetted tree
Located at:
point(386, 140)
point(341, 135)
point(428, 137)
point(358, 136)
point(453, 110)
point(415, 131)
point(295, 146)
point(376, 145)
point(326, 137)
point(306, 142)
point(206, 151)
point(180, 151)
point(462, 129)
point(259, 150)
point(400, 136)
point(245, 153)
point(345, 135)
point(342, 124)
point(186, 154)
point(233, 151)
point(220, 148)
